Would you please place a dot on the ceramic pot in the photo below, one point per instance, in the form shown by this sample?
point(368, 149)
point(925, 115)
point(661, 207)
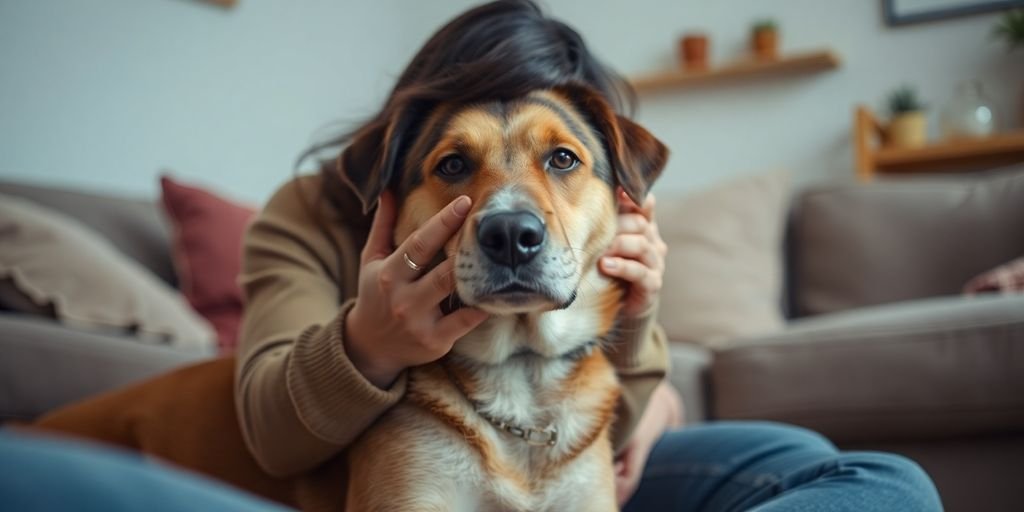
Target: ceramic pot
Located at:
point(765, 44)
point(907, 130)
point(694, 51)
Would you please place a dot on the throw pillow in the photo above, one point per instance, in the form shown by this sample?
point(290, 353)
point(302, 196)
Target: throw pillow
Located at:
point(723, 275)
point(207, 253)
point(1005, 279)
point(65, 269)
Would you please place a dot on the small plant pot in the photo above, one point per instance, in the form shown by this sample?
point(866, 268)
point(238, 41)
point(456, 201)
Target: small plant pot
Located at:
point(693, 49)
point(908, 130)
point(765, 44)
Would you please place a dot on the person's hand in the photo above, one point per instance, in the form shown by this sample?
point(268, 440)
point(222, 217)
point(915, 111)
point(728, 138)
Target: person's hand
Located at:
point(396, 321)
point(637, 256)
point(664, 411)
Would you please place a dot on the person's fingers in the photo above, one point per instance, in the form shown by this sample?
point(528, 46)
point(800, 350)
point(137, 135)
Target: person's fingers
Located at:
point(459, 323)
point(423, 244)
point(437, 284)
point(632, 271)
point(636, 247)
point(633, 223)
point(379, 242)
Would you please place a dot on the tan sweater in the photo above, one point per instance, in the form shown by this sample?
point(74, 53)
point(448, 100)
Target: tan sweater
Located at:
point(300, 400)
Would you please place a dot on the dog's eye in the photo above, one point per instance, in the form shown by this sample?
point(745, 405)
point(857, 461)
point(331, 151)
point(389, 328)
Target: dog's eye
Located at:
point(452, 166)
point(563, 160)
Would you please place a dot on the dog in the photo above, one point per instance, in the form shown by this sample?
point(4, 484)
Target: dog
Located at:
point(517, 416)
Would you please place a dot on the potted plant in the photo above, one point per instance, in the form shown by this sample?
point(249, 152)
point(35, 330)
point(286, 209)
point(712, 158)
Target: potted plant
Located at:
point(764, 39)
point(694, 50)
point(1010, 28)
point(908, 126)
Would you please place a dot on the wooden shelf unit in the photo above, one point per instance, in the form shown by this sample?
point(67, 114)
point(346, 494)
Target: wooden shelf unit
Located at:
point(958, 155)
point(801, 63)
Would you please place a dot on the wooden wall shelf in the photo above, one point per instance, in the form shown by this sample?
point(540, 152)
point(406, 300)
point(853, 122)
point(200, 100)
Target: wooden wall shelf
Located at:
point(945, 156)
point(794, 64)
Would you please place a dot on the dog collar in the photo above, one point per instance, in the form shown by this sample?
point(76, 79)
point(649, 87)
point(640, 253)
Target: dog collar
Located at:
point(532, 436)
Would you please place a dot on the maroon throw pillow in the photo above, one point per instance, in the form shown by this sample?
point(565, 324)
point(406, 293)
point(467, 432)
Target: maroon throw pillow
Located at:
point(207, 254)
point(1006, 278)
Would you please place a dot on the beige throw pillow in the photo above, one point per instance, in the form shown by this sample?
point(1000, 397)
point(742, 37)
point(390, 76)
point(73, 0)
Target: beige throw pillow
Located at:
point(60, 265)
point(723, 276)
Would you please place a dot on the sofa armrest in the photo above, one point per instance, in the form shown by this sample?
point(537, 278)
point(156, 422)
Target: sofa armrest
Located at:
point(931, 368)
point(688, 375)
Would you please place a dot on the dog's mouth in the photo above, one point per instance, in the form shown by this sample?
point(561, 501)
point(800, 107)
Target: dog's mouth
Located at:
point(513, 297)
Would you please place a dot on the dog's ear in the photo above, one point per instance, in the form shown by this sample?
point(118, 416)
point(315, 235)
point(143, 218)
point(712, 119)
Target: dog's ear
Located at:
point(369, 164)
point(637, 157)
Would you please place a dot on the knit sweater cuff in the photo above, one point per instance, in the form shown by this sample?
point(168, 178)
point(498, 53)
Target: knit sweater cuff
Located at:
point(331, 396)
point(634, 337)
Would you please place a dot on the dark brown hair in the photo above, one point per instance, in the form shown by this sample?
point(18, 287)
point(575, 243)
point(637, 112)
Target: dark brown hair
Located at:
point(497, 51)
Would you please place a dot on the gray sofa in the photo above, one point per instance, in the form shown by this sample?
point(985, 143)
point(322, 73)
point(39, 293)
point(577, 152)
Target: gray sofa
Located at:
point(45, 364)
point(881, 352)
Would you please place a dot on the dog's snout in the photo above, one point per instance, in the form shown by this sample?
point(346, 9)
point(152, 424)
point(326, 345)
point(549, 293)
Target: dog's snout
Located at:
point(511, 238)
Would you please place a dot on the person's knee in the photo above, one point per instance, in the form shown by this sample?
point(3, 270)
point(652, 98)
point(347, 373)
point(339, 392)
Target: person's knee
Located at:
point(901, 475)
point(797, 438)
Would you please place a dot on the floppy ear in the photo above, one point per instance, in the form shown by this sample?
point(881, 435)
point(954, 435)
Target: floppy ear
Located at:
point(369, 164)
point(637, 157)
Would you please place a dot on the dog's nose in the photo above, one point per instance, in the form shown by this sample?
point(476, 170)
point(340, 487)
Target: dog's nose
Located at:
point(511, 238)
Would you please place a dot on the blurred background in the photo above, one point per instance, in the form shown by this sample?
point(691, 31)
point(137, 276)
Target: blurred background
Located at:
point(105, 94)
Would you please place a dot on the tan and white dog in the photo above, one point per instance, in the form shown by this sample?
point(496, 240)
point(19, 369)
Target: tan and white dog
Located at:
point(517, 416)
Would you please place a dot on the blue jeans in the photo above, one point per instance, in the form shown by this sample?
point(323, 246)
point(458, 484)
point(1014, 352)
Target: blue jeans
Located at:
point(771, 467)
point(715, 467)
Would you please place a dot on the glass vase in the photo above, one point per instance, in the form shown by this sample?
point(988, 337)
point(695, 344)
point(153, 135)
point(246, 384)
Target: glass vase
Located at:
point(969, 113)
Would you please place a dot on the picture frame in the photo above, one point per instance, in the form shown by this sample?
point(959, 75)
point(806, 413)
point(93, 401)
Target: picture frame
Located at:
point(906, 12)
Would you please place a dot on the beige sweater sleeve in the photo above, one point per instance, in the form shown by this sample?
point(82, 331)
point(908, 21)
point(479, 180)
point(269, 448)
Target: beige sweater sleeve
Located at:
point(640, 355)
point(299, 399)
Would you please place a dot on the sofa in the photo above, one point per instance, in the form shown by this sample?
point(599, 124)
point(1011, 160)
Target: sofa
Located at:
point(880, 350)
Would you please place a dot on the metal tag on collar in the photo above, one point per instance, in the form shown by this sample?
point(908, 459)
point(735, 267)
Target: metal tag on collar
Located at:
point(534, 437)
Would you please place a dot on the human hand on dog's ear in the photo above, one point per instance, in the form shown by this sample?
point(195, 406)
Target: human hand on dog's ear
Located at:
point(637, 255)
point(396, 322)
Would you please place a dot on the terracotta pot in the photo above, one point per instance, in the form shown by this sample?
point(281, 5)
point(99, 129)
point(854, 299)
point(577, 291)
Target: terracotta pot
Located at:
point(694, 51)
point(908, 130)
point(765, 44)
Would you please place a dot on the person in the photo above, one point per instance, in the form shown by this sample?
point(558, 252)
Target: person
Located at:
point(322, 354)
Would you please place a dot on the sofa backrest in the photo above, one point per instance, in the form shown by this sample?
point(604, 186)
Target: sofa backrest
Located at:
point(858, 245)
point(137, 228)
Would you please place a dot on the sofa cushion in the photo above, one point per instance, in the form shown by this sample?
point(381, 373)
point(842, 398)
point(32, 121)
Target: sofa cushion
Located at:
point(861, 245)
point(723, 271)
point(208, 231)
point(923, 369)
point(136, 228)
point(58, 263)
point(46, 365)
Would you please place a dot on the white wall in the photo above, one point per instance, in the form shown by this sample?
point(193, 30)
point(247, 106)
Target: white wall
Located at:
point(104, 93)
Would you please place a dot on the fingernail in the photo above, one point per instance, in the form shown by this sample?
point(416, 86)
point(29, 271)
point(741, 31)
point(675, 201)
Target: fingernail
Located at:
point(610, 262)
point(461, 206)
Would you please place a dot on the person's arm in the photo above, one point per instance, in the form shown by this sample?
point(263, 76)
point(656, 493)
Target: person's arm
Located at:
point(640, 357)
point(300, 400)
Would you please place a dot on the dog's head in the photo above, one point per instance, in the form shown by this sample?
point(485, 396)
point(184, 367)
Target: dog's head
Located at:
point(542, 172)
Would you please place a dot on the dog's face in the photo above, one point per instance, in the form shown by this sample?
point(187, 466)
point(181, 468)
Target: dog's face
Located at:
point(542, 172)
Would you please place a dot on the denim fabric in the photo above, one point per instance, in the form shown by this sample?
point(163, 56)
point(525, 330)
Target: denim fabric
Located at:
point(43, 474)
point(767, 467)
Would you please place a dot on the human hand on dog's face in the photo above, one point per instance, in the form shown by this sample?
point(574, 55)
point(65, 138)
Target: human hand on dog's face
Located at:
point(396, 322)
point(637, 255)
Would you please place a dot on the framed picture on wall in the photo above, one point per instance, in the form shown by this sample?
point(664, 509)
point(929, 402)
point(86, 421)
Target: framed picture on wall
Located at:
point(904, 12)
